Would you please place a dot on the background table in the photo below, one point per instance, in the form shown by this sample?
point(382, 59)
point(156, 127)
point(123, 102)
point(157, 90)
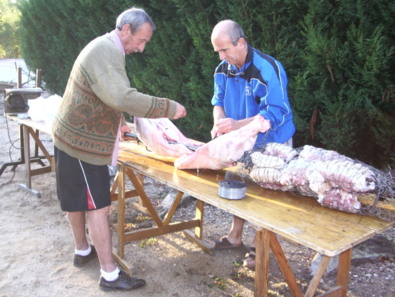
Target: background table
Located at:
point(29, 129)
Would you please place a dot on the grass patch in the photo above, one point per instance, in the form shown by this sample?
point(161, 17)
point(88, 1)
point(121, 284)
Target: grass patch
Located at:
point(147, 242)
point(219, 283)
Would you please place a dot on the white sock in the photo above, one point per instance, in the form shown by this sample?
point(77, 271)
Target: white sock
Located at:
point(83, 252)
point(110, 276)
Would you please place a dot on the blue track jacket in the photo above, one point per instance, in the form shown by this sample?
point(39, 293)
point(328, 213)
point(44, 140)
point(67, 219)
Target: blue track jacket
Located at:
point(260, 86)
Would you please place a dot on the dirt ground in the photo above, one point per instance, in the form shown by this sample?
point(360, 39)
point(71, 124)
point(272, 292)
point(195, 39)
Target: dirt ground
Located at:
point(36, 248)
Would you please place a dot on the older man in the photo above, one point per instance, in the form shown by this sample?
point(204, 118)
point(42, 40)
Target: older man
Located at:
point(86, 133)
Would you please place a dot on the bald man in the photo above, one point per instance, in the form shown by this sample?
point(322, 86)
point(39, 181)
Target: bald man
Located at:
point(247, 82)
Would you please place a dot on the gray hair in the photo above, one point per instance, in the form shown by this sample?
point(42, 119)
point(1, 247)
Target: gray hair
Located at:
point(135, 17)
point(235, 32)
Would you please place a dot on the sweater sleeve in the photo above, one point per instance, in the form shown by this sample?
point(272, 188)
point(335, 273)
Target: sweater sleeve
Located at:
point(104, 66)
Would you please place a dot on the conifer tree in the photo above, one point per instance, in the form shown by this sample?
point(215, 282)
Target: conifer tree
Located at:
point(339, 57)
point(346, 83)
point(54, 32)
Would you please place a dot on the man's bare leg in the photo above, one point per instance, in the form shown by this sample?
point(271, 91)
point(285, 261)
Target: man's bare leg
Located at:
point(235, 235)
point(77, 223)
point(100, 233)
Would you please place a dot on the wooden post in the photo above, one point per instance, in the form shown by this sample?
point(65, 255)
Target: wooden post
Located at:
point(343, 271)
point(262, 242)
point(38, 78)
point(199, 216)
point(121, 211)
point(19, 77)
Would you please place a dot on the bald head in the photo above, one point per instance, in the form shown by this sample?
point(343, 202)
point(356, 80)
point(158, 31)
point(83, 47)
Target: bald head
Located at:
point(229, 42)
point(228, 28)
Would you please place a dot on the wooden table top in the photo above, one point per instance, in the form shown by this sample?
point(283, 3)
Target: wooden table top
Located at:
point(298, 218)
point(37, 125)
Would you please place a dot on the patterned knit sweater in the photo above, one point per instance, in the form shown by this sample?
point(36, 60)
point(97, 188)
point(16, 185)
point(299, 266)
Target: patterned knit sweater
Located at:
point(97, 93)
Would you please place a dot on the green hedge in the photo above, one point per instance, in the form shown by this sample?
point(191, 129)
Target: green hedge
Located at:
point(339, 56)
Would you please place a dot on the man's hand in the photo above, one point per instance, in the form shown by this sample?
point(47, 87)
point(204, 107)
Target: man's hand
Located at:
point(124, 129)
point(222, 126)
point(180, 111)
point(214, 133)
point(225, 125)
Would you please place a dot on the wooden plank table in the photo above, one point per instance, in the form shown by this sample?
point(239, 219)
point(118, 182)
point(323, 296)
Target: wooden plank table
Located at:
point(31, 129)
point(293, 217)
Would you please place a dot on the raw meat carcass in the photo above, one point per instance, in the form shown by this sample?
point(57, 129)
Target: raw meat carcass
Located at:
point(266, 177)
point(334, 179)
point(348, 175)
point(305, 177)
point(339, 199)
point(226, 149)
point(266, 161)
point(156, 134)
point(309, 152)
point(280, 150)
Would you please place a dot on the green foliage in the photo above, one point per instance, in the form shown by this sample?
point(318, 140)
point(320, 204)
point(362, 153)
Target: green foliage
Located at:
point(54, 32)
point(339, 57)
point(348, 78)
point(176, 63)
point(9, 21)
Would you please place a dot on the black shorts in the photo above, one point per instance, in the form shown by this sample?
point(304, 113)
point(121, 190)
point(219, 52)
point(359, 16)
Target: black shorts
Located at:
point(81, 186)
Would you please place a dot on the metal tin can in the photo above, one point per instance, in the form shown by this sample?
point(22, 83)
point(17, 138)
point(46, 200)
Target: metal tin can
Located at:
point(232, 189)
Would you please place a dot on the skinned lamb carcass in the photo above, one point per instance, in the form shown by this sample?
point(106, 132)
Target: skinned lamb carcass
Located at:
point(226, 149)
point(305, 177)
point(348, 175)
point(156, 134)
point(266, 177)
point(309, 152)
point(280, 150)
point(337, 198)
point(266, 161)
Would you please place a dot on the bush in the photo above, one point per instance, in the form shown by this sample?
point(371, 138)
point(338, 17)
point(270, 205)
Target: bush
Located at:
point(339, 56)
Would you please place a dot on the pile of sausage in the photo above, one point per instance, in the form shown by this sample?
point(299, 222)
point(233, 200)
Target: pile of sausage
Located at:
point(335, 180)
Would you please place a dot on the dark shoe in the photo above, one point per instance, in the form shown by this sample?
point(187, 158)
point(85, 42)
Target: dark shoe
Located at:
point(123, 282)
point(80, 261)
point(223, 243)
